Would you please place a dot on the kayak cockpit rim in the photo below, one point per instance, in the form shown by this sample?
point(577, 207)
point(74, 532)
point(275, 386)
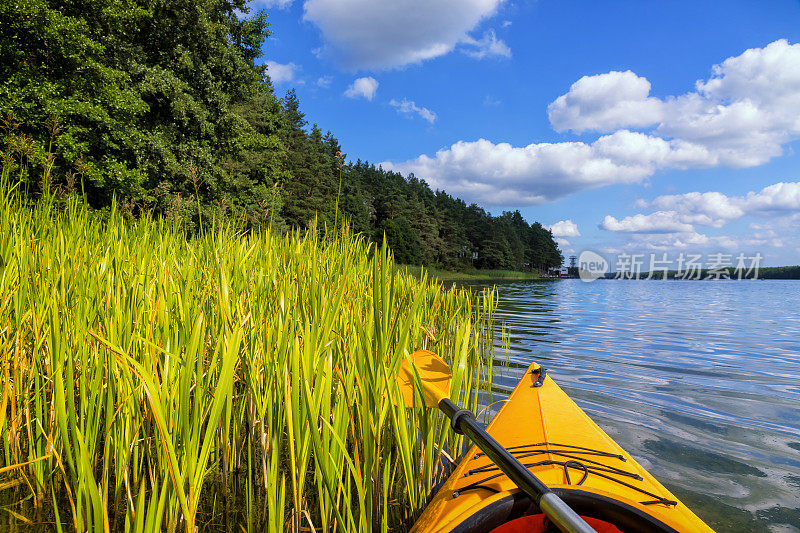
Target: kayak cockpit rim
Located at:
point(587, 504)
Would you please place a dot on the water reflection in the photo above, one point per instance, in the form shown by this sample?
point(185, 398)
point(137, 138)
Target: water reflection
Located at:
point(700, 381)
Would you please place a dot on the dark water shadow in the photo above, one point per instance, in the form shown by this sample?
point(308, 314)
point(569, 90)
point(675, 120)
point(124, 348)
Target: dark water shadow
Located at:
point(674, 452)
point(695, 422)
point(718, 514)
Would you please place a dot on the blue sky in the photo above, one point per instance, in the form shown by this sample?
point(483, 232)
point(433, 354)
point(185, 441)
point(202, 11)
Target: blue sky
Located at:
point(629, 127)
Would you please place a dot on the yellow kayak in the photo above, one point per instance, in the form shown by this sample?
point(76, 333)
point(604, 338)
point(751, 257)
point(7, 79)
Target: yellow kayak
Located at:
point(547, 432)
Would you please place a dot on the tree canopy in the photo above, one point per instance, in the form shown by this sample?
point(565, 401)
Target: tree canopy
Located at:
point(163, 105)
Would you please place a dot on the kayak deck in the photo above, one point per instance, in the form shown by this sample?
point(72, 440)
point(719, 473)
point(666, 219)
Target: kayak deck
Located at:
point(546, 431)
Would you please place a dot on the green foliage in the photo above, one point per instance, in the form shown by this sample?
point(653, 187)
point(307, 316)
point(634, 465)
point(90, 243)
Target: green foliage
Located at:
point(312, 167)
point(468, 274)
point(405, 243)
point(785, 272)
point(433, 228)
point(152, 101)
point(226, 381)
point(161, 105)
point(731, 272)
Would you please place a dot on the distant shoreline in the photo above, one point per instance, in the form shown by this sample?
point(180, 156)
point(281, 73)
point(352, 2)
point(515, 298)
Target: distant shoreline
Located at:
point(470, 275)
point(782, 272)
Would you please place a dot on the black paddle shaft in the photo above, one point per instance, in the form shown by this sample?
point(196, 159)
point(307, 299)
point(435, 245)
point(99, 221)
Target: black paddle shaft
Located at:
point(464, 422)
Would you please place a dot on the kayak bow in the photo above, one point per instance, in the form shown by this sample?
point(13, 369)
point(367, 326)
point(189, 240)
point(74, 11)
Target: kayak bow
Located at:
point(561, 446)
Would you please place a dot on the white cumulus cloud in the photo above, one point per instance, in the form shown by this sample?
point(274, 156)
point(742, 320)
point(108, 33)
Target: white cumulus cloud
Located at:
point(501, 174)
point(565, 228)
point(324, 82)
point(266, 4)
point(674, 241)
point(563, 244)
point(777, 198)
point(673, 225)
point(362, 88)
point(715, 208)
point(606, 102)
point(487, 46)
point(282, 73)
point(369, 34)
point(408, 107)
point(707, 208)
point(658, 222)
point(742, 115)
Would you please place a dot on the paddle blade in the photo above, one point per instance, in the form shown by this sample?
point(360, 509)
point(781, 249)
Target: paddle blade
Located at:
point(434, 375)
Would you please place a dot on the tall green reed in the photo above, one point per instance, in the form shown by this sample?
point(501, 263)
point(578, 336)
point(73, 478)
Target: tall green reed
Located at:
point(152, 381)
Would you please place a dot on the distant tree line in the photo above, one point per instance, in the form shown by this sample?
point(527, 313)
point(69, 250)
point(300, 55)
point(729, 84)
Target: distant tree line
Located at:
point(161, 104)
point(433, 228)
point(782, 272)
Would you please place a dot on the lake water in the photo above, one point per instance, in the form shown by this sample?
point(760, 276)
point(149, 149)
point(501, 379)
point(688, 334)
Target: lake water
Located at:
point(700, 381)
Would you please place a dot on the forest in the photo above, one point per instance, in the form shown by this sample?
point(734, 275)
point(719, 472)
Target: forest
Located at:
point(166, 108)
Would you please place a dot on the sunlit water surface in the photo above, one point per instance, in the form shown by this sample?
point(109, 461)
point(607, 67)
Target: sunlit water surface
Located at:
point(700, 381)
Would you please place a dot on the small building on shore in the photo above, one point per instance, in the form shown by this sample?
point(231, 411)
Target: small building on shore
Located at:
point(558, 272)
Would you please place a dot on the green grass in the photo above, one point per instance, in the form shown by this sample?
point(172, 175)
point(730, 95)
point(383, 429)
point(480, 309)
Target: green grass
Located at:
point(154, 382)
point(467, 275)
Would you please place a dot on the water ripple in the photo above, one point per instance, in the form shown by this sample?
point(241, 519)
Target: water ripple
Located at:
point(698, 380)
